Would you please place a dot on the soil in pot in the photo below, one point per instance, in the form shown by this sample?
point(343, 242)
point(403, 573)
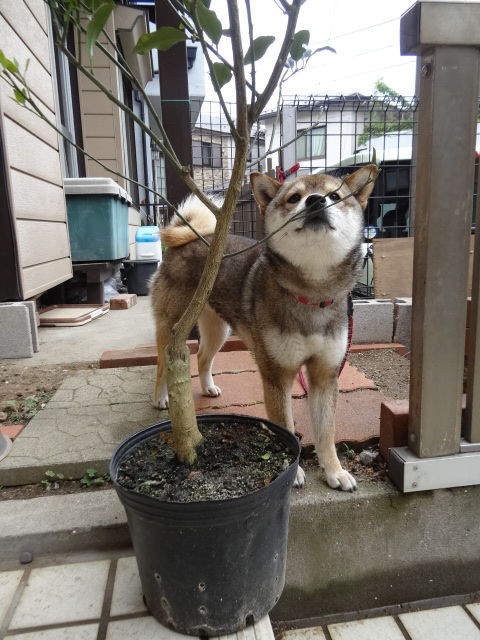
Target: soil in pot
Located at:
point(234, 459)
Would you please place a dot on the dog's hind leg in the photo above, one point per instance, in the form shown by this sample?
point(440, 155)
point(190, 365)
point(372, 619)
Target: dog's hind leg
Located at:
point(213, 333)
point(322, 398)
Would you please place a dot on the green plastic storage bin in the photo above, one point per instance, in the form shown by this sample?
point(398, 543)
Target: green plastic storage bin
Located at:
point(97, 212)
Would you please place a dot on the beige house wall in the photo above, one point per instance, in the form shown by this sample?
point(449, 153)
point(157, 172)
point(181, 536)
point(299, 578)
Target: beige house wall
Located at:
point(32, 153)
point(102, 121)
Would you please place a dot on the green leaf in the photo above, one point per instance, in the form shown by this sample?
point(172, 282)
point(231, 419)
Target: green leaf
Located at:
point(222, 73)
point(258, 48)
point(96, 24)
point(299, 44)
point(91, 472)
point(20, 98)
point(161, 39)
point(8, 64)
point(267, 456)
point(209, 22)
point(50, 473)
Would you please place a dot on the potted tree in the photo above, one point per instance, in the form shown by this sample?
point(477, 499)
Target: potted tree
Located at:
point(207, 566)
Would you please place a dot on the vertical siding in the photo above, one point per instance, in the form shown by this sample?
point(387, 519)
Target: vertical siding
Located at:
point(32, 153)
point(102, 123)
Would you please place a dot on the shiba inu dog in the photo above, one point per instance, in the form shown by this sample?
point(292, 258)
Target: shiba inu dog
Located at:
point(287, 298)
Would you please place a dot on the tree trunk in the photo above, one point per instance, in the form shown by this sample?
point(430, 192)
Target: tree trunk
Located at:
point(186, 435)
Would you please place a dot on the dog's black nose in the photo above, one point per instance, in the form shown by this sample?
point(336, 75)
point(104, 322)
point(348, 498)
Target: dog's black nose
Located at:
point(315, 200)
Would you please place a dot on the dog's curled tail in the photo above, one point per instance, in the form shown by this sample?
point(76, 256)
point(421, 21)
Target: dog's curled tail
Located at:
point(197, 214)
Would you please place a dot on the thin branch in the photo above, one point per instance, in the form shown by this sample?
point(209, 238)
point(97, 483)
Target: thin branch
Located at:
point(293, 11)
point(216, 86)
point(250, 37)
point(36, 111)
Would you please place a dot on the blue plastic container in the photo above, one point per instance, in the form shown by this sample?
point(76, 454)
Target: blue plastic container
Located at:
point(97, 212)
point(147, 243)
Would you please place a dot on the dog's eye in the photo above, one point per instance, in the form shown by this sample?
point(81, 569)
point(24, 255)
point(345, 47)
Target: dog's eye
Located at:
point(334, 197)
point(296, 197)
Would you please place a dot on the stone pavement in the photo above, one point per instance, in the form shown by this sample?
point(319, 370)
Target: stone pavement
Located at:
point(90, 600)
point(100, 598)
point(96, 409)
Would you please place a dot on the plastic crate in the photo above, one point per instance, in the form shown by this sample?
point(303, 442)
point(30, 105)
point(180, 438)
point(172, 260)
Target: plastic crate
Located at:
point(97, 212)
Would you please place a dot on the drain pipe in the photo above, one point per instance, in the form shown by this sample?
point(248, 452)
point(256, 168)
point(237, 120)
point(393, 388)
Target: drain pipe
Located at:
point(136, 96)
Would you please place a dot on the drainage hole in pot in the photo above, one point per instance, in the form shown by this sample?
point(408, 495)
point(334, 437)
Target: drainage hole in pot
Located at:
point(249, 620)
point(202, 586)
point(202, 610)
point(275, 557)
point(157, 577)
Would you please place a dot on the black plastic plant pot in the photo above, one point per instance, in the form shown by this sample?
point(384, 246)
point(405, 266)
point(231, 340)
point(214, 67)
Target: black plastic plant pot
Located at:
point(210, 568)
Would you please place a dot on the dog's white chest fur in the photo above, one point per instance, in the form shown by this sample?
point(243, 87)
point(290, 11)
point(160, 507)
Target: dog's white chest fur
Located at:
point(291, 350)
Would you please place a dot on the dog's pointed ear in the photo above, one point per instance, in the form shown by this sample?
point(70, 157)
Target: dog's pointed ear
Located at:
point(361, 183)
point(264, 189)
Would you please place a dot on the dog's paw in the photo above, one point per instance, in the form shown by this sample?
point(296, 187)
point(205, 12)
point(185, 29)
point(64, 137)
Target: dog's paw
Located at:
point(300, 478)
point(161, 402)
point(342, 480)
point(213, 391)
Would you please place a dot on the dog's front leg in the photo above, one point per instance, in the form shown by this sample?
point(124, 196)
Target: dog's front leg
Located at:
point(322, 398)
point(278, 403)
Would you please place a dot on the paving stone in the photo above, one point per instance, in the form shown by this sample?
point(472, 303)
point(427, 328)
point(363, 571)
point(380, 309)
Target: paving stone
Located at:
point(440, 624)
point(374, 628)
point(127, 590)
point(12, 431)
point(357, 418)
point(474, 610)
point(351, 379)
point(63, 593)
point(147, 628)
point(9, 581)
point(82, 632)
point(313, 633)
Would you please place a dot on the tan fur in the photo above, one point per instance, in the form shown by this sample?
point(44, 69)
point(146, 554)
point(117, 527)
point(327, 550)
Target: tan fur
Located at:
point(317, 255)
point(197, 214)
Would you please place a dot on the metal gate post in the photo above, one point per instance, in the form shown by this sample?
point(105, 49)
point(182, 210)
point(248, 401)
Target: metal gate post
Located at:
point(446, 36)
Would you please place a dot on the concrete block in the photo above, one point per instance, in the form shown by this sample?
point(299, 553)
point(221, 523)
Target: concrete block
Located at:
point(123, 301)
point(393, 425)
point(372, 321)
point(15, 331)
point(402, 321)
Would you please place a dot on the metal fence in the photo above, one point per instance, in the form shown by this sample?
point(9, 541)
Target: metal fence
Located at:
point(336, 134)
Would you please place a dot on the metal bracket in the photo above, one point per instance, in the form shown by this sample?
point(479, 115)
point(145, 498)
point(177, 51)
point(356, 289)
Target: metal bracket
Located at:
point(411, 473)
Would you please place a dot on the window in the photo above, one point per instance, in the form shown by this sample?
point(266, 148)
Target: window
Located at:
point(68, 110)
point(311, 144)
point(207, 154)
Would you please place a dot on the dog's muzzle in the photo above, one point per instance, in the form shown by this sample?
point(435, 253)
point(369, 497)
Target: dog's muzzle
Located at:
point(316, 212)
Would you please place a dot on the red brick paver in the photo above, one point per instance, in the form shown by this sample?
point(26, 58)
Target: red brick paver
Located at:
point(10, 430)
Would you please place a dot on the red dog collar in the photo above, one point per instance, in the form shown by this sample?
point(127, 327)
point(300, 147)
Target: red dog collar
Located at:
point(312, 303)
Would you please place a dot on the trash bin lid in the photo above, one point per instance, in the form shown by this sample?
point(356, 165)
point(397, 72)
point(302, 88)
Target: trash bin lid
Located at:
point(95, 187)
point(147, 234)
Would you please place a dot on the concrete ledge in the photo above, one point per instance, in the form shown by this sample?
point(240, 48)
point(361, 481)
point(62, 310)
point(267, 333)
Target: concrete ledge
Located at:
point(378, 547)
point(373, 548)
point(62, 524)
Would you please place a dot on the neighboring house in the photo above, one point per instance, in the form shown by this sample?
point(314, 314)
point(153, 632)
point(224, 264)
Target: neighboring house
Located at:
point(329, 129)
point(35, 160)
point(326, 129)
point(213, 148)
